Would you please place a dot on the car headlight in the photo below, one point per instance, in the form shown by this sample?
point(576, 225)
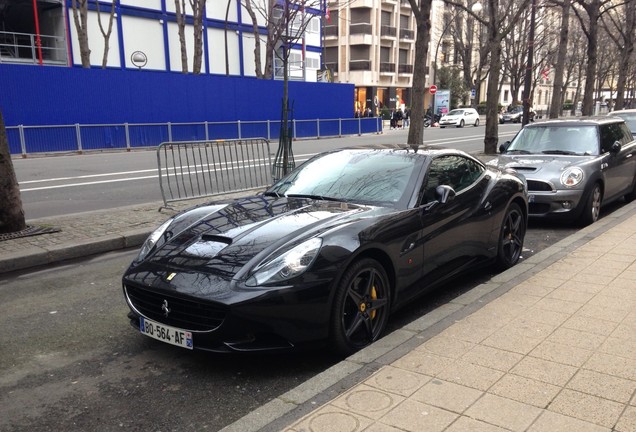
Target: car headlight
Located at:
point(572, 177)
point(288, 265)
point(152, 240)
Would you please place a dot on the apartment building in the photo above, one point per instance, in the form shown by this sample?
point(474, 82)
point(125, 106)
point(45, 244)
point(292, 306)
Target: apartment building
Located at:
point(371, 43)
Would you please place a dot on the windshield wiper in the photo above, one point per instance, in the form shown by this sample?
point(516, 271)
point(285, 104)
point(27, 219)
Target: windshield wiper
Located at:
point(274, 194)
point(518, 151)
point(559, 152)
point(315, 197)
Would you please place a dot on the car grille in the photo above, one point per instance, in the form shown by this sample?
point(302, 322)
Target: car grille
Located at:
point(539, 186)
point(187, 314)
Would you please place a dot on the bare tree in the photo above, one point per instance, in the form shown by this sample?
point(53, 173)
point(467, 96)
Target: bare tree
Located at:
point(589, 13)
point(559, 69)
point(198, 9)
point(499, 18)
point(422, 13)
point(180, 15)
point(80, 18)
point(11, 212)
point(106, 33)
point(286, 24)
point(621, 28)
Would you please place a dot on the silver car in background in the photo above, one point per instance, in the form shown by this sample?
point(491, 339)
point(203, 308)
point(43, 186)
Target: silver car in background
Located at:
point(573, 167)
point(629, 115)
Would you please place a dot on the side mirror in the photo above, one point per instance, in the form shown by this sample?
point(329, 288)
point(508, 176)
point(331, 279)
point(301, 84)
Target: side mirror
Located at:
point(504, 147)
point(616, 147)
point(444, 193)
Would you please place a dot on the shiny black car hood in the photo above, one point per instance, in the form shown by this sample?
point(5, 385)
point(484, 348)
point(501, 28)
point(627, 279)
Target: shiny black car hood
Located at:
point(222, 241)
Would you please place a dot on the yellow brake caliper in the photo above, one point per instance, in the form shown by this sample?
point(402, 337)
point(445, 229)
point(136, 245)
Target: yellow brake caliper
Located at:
point(374, 296)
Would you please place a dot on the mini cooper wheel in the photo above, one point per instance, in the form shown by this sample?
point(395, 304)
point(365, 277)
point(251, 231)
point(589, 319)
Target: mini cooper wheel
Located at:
point(513, 231)
point(361, 306)
point(592, 208)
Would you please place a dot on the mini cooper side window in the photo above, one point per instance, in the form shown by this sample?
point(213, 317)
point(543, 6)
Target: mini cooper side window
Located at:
point(610, 133)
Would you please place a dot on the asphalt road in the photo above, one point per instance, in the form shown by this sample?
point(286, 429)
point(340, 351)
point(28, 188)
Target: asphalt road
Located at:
point(71, 183)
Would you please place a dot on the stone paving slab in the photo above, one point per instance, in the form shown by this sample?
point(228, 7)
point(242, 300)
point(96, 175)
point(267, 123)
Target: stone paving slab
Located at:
point(547, 347)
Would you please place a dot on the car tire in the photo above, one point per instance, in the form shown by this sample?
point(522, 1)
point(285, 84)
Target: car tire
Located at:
point(592, 207)
point(360, 307)
point(476, 123)
point(461, 124)
point(511, 236)
point(442, 127)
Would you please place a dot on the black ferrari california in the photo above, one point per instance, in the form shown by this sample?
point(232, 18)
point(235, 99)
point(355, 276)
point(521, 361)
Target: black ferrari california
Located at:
point(326, 253)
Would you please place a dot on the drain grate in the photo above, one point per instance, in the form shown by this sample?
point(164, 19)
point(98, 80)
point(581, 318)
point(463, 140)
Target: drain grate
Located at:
point(27, 232)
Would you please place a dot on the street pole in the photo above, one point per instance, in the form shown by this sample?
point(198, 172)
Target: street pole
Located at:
point(528, 78)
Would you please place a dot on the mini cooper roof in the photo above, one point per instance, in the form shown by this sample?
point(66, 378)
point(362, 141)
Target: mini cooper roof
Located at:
point(577, 121)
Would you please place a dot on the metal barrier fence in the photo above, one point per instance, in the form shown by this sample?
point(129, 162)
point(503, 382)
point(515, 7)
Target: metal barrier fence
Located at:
point(196, 169)
point(126, 136)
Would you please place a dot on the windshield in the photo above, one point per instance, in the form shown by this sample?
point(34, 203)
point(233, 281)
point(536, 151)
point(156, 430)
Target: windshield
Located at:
point(456, 112)
point(568, 140)
point(365, 176)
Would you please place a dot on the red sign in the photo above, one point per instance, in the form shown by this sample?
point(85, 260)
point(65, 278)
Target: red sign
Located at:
point(432, 89)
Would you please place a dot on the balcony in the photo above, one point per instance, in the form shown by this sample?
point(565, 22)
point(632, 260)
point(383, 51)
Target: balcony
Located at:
point(23, 48)
point(388, 31)
point(405, 69)
point(332, 66)
point(360, 65)
point(387, 68)
point(360, 29)
point(331, 31)
point(407, 34)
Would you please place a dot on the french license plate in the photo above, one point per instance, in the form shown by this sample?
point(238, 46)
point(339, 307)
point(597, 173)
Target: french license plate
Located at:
point(164, 333)
point(530, 198)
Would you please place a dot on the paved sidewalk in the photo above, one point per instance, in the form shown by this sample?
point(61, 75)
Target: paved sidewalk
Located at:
point(89, 233)
point(547, 346)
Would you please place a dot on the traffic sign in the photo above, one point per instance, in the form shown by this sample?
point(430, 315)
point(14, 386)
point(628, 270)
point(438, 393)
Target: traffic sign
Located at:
point(432, 89)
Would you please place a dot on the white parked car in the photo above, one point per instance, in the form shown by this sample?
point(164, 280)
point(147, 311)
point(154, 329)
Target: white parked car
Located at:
point(460, 117)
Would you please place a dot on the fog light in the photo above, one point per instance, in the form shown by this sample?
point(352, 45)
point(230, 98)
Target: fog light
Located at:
point(567, 205)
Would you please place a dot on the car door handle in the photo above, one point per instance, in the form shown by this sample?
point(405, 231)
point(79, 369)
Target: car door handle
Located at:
point(629, 155)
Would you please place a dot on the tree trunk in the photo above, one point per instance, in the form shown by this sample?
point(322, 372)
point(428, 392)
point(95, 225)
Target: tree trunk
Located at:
point(593, 12)
point(626, 54)
point(106, 33)
point(418, 89)
point(80, 18)
point(11, 212)
point(180, 16)
point(491, 138)
point(557, 85)
point(198, 9)
point(258, 67)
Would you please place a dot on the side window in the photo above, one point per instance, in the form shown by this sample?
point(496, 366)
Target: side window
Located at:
point(457, 172)
point(627, 134)
point(611, 133)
